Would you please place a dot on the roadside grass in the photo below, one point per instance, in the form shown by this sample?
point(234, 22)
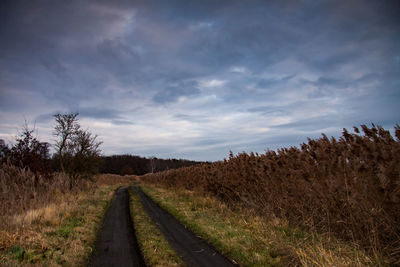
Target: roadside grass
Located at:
point(155, 248)
point(57, 234)
point(251, 240)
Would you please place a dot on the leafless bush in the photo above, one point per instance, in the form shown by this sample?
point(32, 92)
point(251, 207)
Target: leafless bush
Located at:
point(349, 188)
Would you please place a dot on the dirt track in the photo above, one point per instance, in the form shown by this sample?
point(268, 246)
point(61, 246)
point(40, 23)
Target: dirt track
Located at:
point(193, 250)
point(116, 244)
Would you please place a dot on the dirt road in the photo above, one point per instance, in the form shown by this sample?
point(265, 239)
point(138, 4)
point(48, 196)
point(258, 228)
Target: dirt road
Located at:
point(116, 244)
point(193, 250)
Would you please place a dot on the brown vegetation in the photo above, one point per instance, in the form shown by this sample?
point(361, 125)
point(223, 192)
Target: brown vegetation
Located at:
point(22, 190)
point(50, 218)
point(57, 234)
point(112, 179)
point(44, 222)
point(251, 240)
point(348, 188)
point(27, 179)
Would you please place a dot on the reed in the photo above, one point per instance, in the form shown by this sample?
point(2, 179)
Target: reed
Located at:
point(348, 187)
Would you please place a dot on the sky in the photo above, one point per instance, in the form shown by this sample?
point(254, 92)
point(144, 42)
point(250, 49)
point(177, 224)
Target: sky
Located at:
point(197, 79)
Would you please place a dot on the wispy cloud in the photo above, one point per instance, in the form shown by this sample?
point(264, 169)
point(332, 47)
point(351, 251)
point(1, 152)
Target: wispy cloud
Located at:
point(197, 79)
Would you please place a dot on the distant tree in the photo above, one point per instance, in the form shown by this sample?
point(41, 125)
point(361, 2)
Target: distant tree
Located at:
point(4, 151)
point(85, 153)
point(116, 164)
point(78, 151)
point(29, 152)
point(153, 164)
point(65, 129)
point(127, 170)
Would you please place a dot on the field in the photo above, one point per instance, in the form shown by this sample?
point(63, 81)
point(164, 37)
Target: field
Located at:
point(43, 223)
point(347, 189)
point(327, 202)
point(250, 240)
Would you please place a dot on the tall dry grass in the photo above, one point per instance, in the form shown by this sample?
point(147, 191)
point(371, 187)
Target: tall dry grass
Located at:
point(47, 220)
point(22, 190)
point(348, 188)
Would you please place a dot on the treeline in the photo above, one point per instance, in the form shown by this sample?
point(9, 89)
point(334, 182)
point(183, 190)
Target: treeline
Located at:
point(30, 177)
point(131, 164)
point(347, 187)
point(77, 152)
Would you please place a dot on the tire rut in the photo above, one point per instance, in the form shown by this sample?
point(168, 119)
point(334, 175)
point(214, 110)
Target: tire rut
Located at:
point(193, 250)
point(116, 243)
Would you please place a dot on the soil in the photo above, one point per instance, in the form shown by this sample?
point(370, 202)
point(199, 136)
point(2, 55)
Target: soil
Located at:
point(116, 244)
point(193, 250)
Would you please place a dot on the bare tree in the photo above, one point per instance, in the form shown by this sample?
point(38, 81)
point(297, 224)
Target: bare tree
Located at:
point(85, 144)
point(66, 127)
point(4, 151)
point(28, 151)
point(153, 162)
point(85, 153)
point(78, 150)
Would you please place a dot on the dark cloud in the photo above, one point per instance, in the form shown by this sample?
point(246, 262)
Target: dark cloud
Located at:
point(93, 113)
point(268, 110)
point(45, 118)
point(305, 65)
point(98, 113)
point(315, 124)
point(210, 142)
point(54, 66)
point(173, 92)
point(267, 83)
point(122, 122)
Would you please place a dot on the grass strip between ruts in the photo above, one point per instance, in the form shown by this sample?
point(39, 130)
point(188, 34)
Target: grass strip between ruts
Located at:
point(155, 248)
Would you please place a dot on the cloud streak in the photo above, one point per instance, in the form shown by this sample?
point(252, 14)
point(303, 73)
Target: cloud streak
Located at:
point(195, 80)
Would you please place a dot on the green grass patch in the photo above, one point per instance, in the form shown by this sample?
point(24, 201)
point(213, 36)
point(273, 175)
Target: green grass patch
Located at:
point(153, 245)
point(69, 225)
point(252, 240)
point(17, 253)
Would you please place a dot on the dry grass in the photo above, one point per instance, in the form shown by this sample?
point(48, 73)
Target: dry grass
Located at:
point(249, 239)
point(44, 223)
point(22, 190)
point(62, 234)
point(347, 188)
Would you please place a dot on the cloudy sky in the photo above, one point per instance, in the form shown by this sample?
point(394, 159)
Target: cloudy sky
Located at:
point(195, 79)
